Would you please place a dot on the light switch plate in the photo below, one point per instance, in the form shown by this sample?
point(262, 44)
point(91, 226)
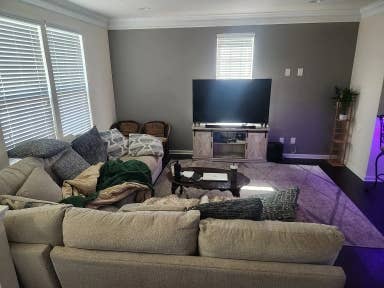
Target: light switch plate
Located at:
point(300, 72)
point(287, 72)
point(293, 140)
point(281, 140)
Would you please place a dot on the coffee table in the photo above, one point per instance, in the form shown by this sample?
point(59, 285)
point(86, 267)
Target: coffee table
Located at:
point(242, 180)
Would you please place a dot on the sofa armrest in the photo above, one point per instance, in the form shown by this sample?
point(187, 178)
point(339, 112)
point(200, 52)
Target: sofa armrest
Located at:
point(7, 270)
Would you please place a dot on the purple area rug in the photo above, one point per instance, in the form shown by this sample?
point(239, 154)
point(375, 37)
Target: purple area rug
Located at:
point(320, 199)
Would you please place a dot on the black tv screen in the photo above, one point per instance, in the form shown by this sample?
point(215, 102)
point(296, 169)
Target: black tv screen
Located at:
point(231, 101)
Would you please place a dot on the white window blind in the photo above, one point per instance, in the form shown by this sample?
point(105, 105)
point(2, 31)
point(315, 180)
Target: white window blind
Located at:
point(234, 56)
point(69, 75)
point(25, 104)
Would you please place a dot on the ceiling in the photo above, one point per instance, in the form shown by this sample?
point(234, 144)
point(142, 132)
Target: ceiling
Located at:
point(145, 14)
point(179, 8)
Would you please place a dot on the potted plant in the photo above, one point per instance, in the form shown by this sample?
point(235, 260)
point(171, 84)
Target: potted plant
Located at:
point(344, 97)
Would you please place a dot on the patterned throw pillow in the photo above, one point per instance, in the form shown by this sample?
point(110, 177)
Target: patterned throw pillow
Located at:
point(91, 147)
point(249, 209)
point(117, 143)
point(39, 148)
point(280, 205)
point(69, 165)
point(143, 144)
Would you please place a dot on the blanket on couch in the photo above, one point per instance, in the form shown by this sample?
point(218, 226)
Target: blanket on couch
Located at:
point(108, 183)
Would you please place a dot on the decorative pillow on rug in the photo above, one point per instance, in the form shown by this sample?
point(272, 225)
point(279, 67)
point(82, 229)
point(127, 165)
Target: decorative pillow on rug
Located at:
point(69, 165)
point(17, 202)
point(40, 186)
point(39, 148)
point(117, 143)
point(280, 205)
point(249, 209)
point(143, 144)
point(91, 147)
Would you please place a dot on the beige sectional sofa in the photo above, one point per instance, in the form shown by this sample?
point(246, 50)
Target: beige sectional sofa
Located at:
point(59, 245)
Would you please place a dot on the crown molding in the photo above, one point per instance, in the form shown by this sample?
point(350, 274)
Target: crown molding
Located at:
point(214, 20)
point(372, 9)
point(72, 10)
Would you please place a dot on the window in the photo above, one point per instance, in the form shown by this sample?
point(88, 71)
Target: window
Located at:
point(32, 104)
point(66, 54)
point(234, 56)
point(25, 105)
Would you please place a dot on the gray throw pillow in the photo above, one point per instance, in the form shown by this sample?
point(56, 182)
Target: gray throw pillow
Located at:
point(69, 165)
point(91, 147)
point(39, 148)
point(249, 209)
point(280, 205)
point(117, 143)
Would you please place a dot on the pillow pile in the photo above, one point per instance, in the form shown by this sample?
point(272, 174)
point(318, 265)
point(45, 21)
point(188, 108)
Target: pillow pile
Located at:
point(117, 143)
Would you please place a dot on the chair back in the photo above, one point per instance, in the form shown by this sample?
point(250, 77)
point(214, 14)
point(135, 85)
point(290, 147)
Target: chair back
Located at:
point(127, 127)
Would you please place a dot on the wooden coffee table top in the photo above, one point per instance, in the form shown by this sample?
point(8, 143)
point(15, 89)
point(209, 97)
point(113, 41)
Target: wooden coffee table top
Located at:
point(242, 180)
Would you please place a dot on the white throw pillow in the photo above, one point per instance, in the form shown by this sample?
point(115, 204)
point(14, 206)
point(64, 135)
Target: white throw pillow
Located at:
point(143, 144)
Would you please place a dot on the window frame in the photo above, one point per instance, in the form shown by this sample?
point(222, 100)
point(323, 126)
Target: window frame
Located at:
point(57, 125)
point(234, 36)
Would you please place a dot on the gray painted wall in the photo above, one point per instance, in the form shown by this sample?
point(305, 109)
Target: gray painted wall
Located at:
point(153, 72)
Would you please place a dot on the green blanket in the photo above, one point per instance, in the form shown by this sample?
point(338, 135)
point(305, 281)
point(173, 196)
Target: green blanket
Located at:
point(115, 172)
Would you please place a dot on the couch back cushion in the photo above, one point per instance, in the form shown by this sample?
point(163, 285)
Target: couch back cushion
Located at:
point(149, 232)
point(38, 225)
point(14, 176)
point(270, 241)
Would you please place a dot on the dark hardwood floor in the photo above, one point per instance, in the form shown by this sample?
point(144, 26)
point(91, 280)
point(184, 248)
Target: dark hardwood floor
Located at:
point(364, 267)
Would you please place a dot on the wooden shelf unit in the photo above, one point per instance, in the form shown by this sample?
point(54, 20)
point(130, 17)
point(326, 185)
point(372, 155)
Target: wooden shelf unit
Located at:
point(240, 144)
point(340, 136)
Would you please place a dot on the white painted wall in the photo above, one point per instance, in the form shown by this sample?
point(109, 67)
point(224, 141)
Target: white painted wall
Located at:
point(367, 77)
point(97, 57)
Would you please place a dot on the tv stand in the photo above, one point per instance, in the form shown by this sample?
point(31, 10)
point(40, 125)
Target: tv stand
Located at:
point(241, 143)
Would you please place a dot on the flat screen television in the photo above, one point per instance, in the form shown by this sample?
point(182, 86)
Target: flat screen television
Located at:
point(231, 101)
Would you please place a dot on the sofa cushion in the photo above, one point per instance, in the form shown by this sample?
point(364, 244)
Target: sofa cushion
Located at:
point(151, 161)
point(33, 265)
point(18, 202)
point(14, 176)
point(232, 209)
point(39, 225)
point(148, 232)
point(116, 142)
point(39, 185)
point(91, 147)
point(143, 144)
point(69, 165)
point(270, 241)
point(39, 148)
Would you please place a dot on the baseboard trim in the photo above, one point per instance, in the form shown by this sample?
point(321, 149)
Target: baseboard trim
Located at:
point(181, 152)
point(306, 156)
point(370, 179)
point(286, 155)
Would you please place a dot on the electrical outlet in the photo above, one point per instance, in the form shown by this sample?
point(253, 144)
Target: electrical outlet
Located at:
point(287, 72)
point(281, 140)
point(293, 140)
point(300, 72)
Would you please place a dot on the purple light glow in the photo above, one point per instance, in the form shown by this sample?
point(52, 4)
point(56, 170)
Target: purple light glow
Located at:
point(375, 150)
